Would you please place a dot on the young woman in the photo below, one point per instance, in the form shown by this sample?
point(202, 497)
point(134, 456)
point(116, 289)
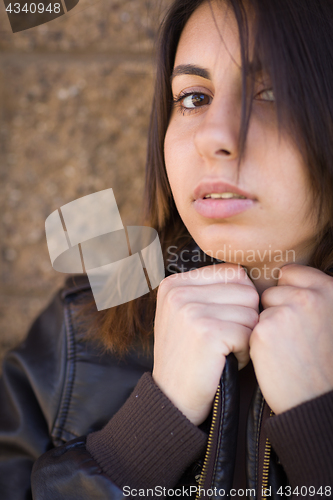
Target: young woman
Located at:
point(237, 398)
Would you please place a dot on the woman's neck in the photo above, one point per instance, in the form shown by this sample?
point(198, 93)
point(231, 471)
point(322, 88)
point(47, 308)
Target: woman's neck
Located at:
point(266, 275)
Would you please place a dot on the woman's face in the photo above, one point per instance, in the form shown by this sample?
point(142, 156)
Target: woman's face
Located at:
point(271, 200)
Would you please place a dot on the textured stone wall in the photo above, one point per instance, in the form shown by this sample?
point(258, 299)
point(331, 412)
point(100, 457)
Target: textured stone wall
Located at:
point(75, 97)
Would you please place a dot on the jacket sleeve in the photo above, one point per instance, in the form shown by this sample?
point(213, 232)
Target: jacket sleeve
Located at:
point(69, 472)
point(302, 437)
point(27, 405)
point(147, 444)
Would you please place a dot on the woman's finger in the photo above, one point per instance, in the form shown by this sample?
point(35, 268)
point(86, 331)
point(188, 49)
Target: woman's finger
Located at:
point(218, 293)
point(241, 315)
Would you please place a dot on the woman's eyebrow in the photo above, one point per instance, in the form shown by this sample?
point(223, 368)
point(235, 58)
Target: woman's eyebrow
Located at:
point(190, 69)
point(255, 67)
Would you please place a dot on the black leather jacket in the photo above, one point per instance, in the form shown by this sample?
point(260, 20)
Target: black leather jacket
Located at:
point(49, 403)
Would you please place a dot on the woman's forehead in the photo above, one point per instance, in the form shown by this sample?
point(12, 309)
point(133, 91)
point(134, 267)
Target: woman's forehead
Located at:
point(211, 22)
point(210, 38)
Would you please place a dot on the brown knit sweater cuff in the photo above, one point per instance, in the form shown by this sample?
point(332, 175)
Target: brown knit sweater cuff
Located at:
point(302, 437)
point(148, 442)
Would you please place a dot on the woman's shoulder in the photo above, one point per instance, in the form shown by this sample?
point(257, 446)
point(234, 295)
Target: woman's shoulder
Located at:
point(47, 334)
point(76, 383)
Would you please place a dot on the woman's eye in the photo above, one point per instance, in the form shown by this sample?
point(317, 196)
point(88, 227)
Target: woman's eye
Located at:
point(195, 100)
point(265, 95)
point(191, 101)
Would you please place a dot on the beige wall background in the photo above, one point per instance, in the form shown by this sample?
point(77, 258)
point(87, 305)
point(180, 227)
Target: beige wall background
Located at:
point(75, 96)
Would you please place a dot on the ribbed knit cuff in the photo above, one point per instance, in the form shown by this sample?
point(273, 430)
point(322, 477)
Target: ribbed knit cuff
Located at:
point(302, 437)
point(148, 442)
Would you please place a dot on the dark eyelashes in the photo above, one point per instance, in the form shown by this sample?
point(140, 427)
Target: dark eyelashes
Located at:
point(182, 96)
point(176, 101)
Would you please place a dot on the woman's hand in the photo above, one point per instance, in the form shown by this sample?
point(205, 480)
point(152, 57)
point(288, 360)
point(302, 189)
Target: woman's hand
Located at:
point(201, 317)
point(292, 345)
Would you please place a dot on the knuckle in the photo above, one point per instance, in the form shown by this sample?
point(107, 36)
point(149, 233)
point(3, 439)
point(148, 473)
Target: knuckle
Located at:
point(289, 268)
point(190, 310)
point(306, 298)
point(284, 314)
point(265, 326)
point(254, 317)
point(175, 295)
point(201, 332)
point(253, 297)
point(165, 285)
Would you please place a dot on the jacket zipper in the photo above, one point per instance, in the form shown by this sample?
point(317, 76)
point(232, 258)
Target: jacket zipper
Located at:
point(267, 455)
point(209, 461)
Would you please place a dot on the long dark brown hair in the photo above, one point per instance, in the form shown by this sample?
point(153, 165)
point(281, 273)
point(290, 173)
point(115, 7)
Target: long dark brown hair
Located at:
point(293, 40)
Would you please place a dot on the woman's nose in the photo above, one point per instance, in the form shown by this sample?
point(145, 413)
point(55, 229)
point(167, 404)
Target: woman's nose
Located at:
point(217, 135)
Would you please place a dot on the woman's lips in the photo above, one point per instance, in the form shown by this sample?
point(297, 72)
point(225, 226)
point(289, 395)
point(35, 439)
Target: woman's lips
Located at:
point(222, 208)
point(209, 186)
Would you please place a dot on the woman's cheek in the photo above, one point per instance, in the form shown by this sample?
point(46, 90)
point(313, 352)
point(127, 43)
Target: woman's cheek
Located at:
point(175, 159)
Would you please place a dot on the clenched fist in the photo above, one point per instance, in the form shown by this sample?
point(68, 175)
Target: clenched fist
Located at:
point(292, 345)
point(201, 317)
